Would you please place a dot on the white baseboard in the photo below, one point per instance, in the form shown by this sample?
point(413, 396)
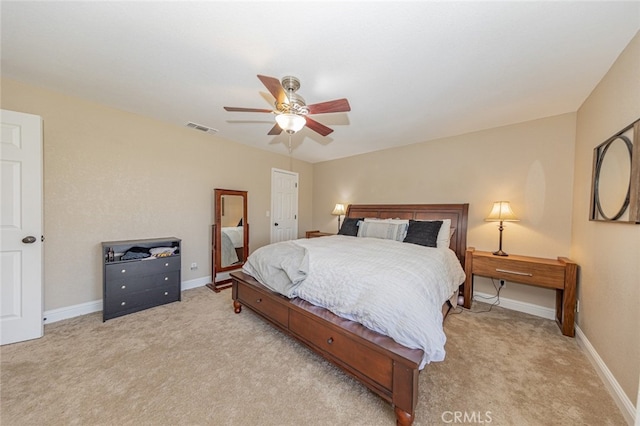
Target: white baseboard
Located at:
point(516, 305)
point(55, 315)
point(620, 398)
point(198, 282)
point(618, 395)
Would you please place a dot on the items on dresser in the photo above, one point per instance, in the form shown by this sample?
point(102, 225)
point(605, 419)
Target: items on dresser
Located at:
point(139, 274)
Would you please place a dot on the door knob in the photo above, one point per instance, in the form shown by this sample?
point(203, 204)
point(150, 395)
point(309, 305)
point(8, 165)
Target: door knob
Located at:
point(29, 240)
point(276, 224)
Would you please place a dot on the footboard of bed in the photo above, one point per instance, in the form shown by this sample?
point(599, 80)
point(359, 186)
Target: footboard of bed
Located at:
point(384, 366)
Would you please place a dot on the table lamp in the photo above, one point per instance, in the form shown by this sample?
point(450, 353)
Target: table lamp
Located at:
point(338, 211)
point(501, 212)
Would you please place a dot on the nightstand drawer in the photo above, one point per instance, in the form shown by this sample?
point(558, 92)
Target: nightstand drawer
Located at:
point(521, 271)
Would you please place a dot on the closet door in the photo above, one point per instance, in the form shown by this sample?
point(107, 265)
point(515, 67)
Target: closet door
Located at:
point(284, 205)
point(21, 227)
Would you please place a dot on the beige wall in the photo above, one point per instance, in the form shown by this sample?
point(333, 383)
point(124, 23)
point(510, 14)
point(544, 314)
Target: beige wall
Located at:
point(233, 210)
point(529, 164)
point(609, 253)
point(112, 175)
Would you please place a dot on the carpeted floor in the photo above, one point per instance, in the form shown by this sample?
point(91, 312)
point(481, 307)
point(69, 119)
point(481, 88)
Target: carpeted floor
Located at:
point(195, 362)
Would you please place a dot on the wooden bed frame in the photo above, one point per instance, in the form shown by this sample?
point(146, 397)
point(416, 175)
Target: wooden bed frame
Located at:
point(384, 366)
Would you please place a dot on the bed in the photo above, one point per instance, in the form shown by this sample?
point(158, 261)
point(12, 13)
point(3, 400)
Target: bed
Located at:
point(386, 367)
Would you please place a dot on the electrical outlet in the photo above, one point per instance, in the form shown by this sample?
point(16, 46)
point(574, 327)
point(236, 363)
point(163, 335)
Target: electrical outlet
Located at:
point(502, 283)
point(577, 306)
point(194, 265)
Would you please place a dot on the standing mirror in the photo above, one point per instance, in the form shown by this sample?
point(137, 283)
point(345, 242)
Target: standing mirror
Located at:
point(230, 236)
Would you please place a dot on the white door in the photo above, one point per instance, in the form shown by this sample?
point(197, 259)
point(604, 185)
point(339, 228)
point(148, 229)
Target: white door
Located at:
point(20, 227)
point(284, 205)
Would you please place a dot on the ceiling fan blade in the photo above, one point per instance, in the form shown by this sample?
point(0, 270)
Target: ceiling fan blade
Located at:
point(236, 109)
point(338, 105)
point(275, 130)
point(275, 88)
point(317, 127)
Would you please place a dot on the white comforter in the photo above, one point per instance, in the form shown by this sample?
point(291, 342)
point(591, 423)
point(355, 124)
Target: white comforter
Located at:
point(391, 287)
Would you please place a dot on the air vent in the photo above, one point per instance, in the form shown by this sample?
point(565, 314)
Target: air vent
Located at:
point(202, 128)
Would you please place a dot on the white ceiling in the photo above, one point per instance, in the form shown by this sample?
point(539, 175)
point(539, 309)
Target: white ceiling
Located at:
point(412, 71)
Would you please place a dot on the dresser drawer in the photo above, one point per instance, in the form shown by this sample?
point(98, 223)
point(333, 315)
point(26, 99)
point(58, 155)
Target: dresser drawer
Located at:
point(141, 267)
point(548, 274)
point(118, 305)
point(264, 302)
point(130, 284)
point(372, 364)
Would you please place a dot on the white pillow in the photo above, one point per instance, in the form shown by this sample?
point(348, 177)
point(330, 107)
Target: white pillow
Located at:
point(373, 219)
point(444, 235)
point(383, 229)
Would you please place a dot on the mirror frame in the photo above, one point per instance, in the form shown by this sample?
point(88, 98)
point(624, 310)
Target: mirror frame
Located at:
point(631, 205)
point(216, 239)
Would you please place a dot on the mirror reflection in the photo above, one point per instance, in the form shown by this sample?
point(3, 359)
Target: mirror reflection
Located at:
point(232, 237)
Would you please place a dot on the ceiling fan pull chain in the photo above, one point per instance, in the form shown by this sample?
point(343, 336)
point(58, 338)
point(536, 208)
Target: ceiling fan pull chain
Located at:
point(290, 155)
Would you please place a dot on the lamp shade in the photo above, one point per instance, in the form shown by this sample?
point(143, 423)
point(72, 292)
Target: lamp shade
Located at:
point(290, 123)
point(338, 210)
point(501, 212)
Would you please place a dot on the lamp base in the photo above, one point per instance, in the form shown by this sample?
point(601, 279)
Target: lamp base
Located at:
point(500, 253)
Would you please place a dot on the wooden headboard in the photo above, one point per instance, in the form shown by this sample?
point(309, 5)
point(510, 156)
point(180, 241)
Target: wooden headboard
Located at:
point(458, 214)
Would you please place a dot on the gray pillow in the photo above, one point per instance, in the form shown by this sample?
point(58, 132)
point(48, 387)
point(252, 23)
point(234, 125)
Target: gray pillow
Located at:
point(424, 233)
point(350, 226)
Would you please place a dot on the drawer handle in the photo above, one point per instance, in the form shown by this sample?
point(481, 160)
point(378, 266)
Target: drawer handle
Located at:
point(258, 300)
point(123, 271)
point(330, 340)
point(123, 287)
point(123, 303)
point(506, 271)
point(166, 293)
point(166, 264)
point(166, 278)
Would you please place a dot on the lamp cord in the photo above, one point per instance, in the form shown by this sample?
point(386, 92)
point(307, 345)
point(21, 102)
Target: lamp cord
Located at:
point(458, 309)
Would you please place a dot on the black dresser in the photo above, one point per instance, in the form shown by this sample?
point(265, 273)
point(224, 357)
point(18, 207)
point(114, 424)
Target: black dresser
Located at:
point(139, 274)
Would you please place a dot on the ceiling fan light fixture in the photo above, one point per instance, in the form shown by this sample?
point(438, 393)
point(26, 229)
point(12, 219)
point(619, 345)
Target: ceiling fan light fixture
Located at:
point(290, 123)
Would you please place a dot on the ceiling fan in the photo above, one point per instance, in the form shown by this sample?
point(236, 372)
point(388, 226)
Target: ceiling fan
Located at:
point(292, 113)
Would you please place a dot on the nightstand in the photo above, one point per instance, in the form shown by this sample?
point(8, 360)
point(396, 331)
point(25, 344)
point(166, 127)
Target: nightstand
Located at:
point(560, 274)
point(316, 233)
